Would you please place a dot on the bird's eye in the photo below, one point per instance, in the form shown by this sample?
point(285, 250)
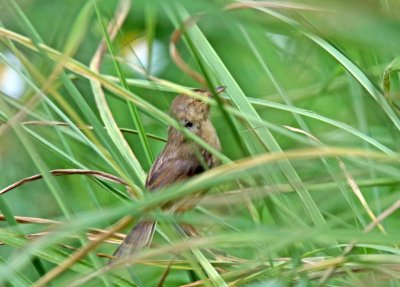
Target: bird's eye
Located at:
point(188, 125)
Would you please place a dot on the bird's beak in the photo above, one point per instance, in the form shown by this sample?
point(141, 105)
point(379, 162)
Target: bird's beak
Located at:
point(220, 89)
point(208, 93)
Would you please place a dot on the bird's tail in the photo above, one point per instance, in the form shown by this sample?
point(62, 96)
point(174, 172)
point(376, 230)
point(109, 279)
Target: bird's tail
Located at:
point(139, 237)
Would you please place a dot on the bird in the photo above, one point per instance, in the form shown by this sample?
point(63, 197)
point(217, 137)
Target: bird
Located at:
point(180, 159)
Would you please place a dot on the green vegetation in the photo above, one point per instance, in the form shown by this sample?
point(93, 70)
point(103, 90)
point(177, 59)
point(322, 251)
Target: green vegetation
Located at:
point(307, 193)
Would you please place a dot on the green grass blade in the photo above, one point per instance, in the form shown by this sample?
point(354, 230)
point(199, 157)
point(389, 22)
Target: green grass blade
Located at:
point(132, 108)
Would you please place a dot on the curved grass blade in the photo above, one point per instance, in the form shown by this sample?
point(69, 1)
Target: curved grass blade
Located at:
point(353, 69)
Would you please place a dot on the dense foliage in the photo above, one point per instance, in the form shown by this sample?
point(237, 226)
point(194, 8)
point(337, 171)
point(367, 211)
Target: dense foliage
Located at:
point(307, 191)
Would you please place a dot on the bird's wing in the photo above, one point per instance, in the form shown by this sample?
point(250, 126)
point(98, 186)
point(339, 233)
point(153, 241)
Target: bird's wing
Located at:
point(167, 171)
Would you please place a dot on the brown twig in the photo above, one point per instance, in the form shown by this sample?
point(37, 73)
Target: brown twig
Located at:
point(25, 219)
point(60, 172)
point(93, 233)
point(165, 273)
point(192, 20)
point(176, 57)
point(82, 127)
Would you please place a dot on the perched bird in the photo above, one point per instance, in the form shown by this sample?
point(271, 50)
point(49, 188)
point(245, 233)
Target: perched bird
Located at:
point(180, 159)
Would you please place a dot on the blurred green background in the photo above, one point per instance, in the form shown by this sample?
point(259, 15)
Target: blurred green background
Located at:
point(303, 77)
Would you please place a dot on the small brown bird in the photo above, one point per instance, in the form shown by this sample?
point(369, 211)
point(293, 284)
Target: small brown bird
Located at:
point(180, 159)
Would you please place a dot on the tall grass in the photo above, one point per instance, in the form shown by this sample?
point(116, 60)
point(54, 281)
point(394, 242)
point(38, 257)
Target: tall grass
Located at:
point(307, 191)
